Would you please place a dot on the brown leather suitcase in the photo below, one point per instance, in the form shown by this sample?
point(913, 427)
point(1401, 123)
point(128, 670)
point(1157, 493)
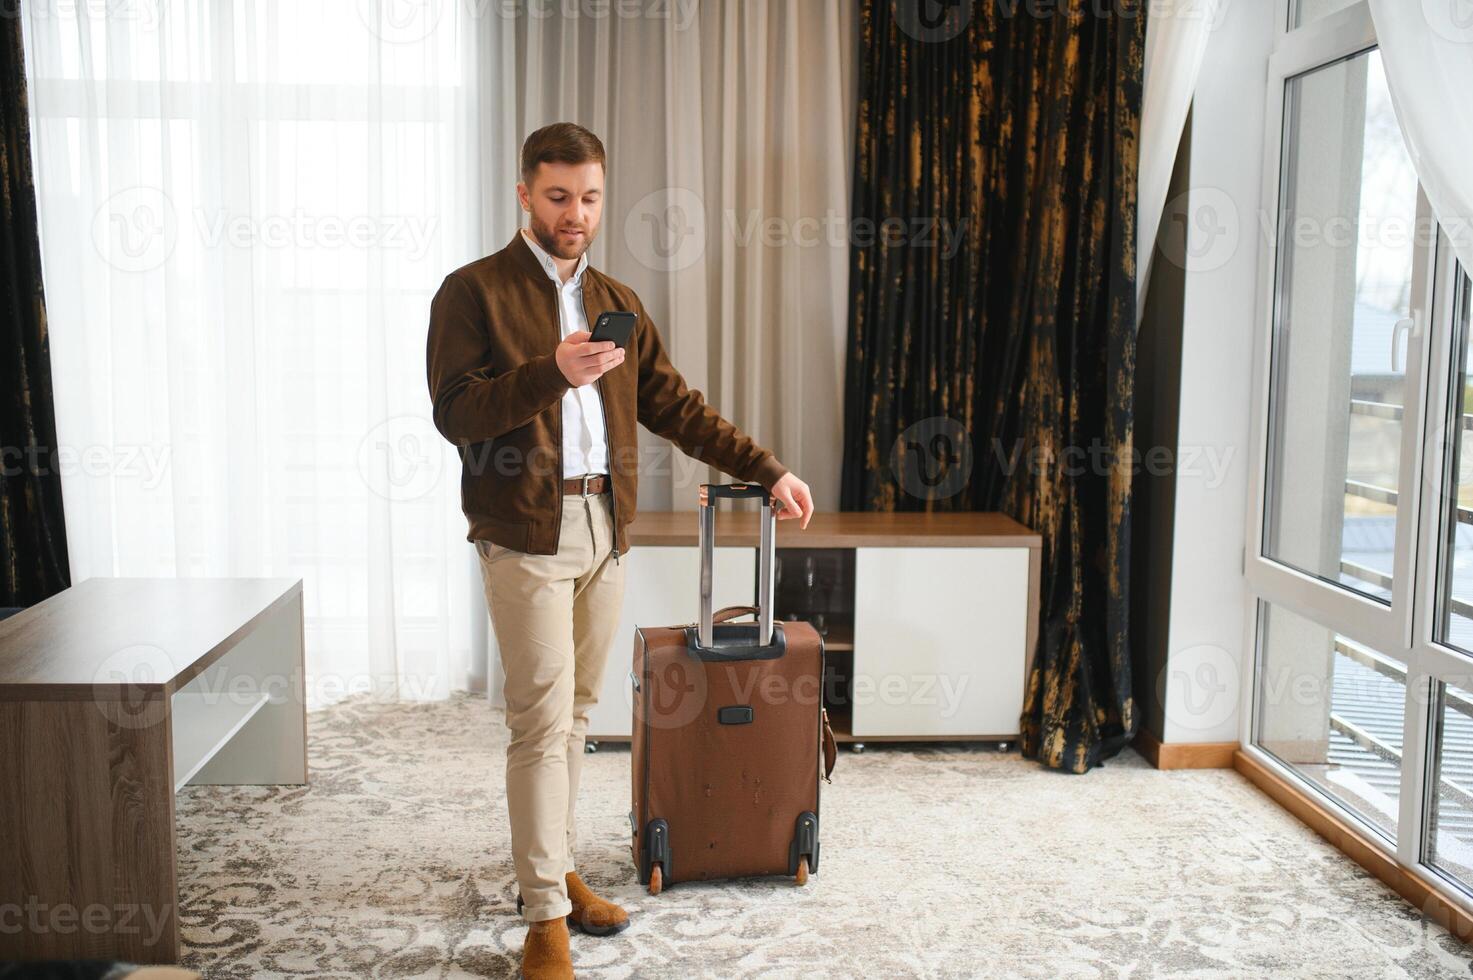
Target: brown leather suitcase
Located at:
point(729, 729)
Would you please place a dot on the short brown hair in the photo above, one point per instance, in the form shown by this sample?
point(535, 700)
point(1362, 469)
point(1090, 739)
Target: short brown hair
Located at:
point(562, 142)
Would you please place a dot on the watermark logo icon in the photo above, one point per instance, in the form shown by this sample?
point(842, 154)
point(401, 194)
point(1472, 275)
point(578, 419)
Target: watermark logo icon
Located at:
point(402, 458)
point(932, 459)
point(401, 21)
point(128, 685)
point(672, 694)
point(1200, 229)
point(1200, 687)
point(665, 231)
point(1451, 20)
point(136, 229)
point(930, 21)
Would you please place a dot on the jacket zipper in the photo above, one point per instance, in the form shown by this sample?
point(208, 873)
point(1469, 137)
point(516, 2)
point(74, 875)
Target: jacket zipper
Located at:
point(609, 457)
point(557, 524)
point(609, 447)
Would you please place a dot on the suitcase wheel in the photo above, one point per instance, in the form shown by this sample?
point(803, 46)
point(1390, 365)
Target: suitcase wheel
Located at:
point(802, 876)
point(655, 879)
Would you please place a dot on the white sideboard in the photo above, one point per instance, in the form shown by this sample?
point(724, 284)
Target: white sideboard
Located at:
point(939, 642)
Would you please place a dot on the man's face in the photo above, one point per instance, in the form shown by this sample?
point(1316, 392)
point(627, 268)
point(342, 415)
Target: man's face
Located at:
point(566, 201)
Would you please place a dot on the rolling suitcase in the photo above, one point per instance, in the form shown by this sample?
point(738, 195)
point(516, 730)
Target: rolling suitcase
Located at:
point(729, 728)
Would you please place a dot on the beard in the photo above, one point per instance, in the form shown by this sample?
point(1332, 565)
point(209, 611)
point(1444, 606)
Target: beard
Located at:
point(551, 244)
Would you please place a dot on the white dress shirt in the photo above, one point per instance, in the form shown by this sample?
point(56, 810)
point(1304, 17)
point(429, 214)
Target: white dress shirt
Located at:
point(585, 442)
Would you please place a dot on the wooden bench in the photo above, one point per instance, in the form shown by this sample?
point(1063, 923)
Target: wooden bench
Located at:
point(114, 694)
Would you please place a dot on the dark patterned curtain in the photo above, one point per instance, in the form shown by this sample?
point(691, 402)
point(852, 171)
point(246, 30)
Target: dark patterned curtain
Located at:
point(992, 326)
point(33, 556)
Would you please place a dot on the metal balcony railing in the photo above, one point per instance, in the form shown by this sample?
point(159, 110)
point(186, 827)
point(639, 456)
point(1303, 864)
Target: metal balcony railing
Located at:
point(1359, 715)
point(1386, 495)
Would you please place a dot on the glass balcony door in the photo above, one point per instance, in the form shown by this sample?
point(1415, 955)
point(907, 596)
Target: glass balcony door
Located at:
point(1360, 554)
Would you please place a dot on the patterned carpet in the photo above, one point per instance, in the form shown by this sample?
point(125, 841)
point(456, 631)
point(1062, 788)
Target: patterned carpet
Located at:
point(937, 862)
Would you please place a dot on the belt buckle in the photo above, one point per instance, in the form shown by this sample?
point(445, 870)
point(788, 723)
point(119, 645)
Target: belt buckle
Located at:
point(586, 477)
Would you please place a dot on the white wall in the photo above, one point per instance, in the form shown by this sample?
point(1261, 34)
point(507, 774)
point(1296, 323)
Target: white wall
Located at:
point(1206, 659)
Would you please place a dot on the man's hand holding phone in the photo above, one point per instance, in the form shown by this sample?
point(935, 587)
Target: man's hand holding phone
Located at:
point(583, 360)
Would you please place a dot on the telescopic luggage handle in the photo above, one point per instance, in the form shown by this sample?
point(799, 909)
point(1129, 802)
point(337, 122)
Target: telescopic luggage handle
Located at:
point(710, 493)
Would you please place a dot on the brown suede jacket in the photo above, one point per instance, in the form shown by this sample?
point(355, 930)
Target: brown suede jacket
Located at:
point(497, 393)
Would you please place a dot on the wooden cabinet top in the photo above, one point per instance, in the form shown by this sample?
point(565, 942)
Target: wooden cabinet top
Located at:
point(104, 635)
point(909, 529)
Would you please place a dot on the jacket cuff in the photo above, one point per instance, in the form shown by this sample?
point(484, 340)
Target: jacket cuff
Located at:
point(549, 376)
point(768, 471)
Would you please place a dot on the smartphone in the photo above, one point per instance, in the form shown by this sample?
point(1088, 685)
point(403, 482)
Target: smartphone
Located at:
point(617, 326)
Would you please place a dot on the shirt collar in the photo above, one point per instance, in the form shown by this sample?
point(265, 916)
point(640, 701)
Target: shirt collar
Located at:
point(547, 263)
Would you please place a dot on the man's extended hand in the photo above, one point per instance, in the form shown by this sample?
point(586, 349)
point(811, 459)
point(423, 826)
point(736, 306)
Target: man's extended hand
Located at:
point(583, 361)
point(796, 501)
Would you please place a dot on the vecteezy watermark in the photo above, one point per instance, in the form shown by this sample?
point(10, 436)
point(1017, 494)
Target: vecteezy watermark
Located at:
point(404, 21)
point(137, 229)
point(932, 459)
point(1200, 229)
point(141, 16)
point(1451, 20)
point(413, 21)
point(687, 468)
point(1199, 688)
point(1210, 464)
point(148, 464)
point(680, 13)
point(402, 458)
point(300, 229)
point(673, 693)
point(1395, 231)
point(128, 685)
point(833, 230)
point(1446, 443)
point(666, 229)
point(35, 917)
point(933, 20)
point(223, 686)
point(1297, 690)
point(669, 695)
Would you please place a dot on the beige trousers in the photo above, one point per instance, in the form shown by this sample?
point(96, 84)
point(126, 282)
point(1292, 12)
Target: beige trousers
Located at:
point(554, 617)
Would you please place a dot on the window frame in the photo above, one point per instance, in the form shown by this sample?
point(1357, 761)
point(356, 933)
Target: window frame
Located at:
point(1405, 629)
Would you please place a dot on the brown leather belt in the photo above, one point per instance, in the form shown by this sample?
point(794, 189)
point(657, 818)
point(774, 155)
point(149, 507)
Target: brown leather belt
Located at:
point(588, 483)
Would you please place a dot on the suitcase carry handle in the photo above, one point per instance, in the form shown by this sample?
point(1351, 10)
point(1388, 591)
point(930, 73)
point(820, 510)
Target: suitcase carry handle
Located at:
point(709, 494)
point(737, 491)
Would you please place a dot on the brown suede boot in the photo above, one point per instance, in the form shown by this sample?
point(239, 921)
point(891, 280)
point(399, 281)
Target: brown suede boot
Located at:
point(545, 953)
point(595, 916)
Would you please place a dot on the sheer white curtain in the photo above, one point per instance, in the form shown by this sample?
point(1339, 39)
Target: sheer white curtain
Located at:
point(1176, 39)
point(729, 131)
point(245, 208)
point(1427, 49)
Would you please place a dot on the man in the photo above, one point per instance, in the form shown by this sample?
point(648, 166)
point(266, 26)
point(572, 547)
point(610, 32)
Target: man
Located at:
point(545, 424)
